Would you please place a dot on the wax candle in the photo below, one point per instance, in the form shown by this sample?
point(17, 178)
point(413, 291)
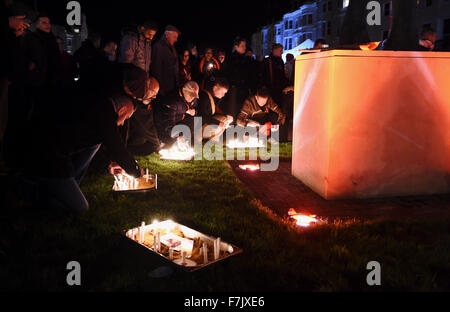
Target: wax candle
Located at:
point(205, 253)
point(183, 258)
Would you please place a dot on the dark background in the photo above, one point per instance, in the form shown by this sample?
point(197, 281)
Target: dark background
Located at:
point(214, 23)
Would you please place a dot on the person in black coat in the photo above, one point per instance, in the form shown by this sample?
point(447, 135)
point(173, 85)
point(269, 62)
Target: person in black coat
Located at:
point(62, 151)
point(179, 107)
point(210, 105)
point(240, 76)
point(165, 66)
point(45, 69)
point(273, 73)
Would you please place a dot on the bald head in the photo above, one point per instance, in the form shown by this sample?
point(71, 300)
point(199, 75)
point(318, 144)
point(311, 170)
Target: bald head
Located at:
point(152, 90)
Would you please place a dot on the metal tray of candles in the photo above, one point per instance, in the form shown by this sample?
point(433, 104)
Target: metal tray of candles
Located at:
point(186, 248)
point(125, 184)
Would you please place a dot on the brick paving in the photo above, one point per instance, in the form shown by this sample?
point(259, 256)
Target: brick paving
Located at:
point(280, 191)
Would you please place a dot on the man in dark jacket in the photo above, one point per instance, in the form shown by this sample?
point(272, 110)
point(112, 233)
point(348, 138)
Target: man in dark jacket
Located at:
point(45, 75)
point(136, 46)
point(62, 151)
point(165, 61)
point(273, 73)
point(143, 137)
point(179, 107)
point(210, 107)
point(240, 76)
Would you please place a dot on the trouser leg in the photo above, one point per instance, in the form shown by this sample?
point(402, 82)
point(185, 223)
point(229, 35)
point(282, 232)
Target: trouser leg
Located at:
point(62, 194)
point(81, 161)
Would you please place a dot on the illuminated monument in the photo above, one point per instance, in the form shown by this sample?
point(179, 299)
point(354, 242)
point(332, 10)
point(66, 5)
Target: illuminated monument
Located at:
point(372, 123)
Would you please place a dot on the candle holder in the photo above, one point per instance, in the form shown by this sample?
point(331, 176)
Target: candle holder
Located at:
point(182, 246)
point(125, 184)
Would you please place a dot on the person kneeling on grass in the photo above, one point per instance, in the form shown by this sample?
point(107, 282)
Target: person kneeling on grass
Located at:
point(65, 150)
point(260, 111)
point(177, 108)
point(210, 109)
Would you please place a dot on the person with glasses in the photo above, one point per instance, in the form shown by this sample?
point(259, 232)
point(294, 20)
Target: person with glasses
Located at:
point(142, 138)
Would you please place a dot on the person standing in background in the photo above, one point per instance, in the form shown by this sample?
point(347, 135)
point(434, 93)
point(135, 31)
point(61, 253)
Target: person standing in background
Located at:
point(165, 65)
point(136, 46)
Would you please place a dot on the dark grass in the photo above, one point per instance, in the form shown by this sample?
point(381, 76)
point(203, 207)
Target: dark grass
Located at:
point(36, 245)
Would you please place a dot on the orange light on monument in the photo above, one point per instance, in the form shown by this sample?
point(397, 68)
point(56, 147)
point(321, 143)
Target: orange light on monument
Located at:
point(302, 220)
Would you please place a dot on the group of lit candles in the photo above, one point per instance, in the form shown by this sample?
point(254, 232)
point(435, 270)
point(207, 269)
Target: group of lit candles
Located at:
point(157, 246)
point(175, 153)
point(125, 182)
point(249, 142)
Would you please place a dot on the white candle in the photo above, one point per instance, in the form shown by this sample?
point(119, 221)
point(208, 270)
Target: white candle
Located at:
point(158, 241)
point(205, 253)
point(156, 181)
point(146, 175)
point(183, 258)
point(155, 244)
point(140, 235)
point(217, 248)
point(171, 253)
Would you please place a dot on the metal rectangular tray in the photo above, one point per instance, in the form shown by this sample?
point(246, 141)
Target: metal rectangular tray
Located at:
point(188, 232)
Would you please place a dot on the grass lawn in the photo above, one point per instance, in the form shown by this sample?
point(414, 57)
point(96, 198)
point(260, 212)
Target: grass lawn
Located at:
point(35, 245)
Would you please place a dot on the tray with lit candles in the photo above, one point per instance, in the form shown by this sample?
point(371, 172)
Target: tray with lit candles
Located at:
point(184, 247)
point(125, 184)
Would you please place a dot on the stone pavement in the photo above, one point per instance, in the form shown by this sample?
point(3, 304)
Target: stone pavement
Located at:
point(280, 191)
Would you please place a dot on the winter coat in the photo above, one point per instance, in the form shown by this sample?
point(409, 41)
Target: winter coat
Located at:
point(135, 49)
point(273, 75)
point(251, 109)
point(42, 53)
point(208, 106)
point(172, 111)
point(239, 71)
point(165, 66)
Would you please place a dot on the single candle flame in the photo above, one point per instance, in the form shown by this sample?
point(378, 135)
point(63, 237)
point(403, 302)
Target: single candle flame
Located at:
point(302, 220)
point(250, 167)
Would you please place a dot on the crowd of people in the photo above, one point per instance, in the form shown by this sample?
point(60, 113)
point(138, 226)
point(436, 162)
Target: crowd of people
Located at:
point(121, 99)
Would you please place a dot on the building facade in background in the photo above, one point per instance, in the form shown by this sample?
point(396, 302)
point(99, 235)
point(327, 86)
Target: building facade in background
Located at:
point(322, 19)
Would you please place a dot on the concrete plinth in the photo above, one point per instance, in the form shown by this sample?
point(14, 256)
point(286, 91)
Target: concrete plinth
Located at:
point(372, 123)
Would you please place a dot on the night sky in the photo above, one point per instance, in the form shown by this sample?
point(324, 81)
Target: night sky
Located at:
point(213, 23)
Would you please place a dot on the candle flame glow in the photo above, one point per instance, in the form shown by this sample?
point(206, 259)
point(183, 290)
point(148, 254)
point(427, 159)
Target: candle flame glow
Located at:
point(180, 151)
point(248, 142)
point(302, 220)
point(250, 167)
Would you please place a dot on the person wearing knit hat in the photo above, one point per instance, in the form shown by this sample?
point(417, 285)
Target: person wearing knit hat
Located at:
point(173, 28)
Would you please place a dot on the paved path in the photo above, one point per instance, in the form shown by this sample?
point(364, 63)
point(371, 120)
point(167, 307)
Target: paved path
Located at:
point(280, 191)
